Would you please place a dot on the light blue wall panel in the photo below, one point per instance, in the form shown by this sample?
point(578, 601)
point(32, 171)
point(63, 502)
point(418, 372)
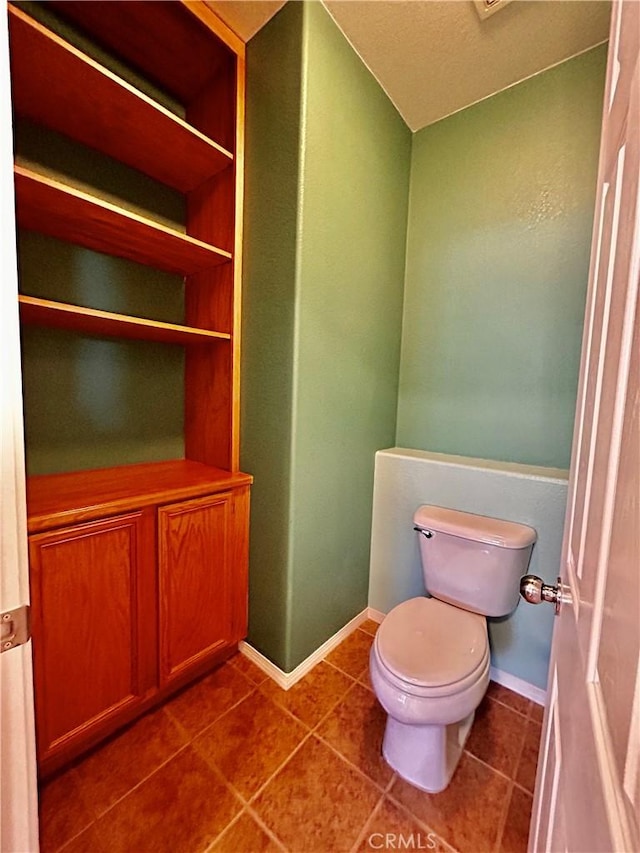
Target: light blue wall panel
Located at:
point(405, 479)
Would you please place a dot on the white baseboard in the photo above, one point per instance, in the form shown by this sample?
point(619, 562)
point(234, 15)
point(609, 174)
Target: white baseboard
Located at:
point(288, 679)
point(518, 685)
point(375, 615)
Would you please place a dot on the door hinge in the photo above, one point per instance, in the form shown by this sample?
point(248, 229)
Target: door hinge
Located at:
point(15, 628)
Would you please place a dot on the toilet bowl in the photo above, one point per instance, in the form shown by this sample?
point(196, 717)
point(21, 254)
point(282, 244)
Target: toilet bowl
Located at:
point(430, 660)
point(430, 698)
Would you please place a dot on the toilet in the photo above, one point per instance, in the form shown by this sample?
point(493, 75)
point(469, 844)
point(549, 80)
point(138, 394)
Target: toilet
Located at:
point(430, 660)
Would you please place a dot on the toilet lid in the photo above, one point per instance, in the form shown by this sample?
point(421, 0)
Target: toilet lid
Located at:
point(425, 641)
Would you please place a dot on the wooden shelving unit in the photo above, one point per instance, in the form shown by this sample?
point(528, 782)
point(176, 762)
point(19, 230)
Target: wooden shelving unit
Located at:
point(128, 125)
point(79, 496)
point(58, 210)
point(139, 572)
point(45, 312)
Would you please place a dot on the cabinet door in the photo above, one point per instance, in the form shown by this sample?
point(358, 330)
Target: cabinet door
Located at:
point(202, 581)
point(92, 592)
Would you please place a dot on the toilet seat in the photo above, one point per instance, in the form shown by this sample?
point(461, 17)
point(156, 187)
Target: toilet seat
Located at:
point(428, 648)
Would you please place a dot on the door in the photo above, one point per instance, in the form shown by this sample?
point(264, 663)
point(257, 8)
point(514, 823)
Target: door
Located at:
point(18, 790)
point(202, 581)
point(93, 598)
point(588, 786)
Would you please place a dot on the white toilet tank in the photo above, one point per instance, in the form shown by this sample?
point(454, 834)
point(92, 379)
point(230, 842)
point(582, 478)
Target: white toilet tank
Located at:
point(472, 561)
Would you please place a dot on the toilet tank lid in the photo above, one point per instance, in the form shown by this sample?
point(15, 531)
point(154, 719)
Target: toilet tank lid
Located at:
point(479, 528)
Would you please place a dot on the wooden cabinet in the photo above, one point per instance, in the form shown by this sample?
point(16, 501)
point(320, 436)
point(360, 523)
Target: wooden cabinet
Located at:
point(93, 617)
point(139, 572)
point(138, 585)
point(202, 598)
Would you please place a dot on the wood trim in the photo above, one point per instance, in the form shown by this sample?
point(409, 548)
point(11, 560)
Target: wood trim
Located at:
point(216, 25)
point(239, 542)
point(55, 209)
point(237, 265)
point(56, 500)
point(45, 312)
point(95, 107)
point(166, 42)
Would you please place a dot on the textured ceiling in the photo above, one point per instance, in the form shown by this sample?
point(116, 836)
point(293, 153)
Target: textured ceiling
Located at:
point(435, 57)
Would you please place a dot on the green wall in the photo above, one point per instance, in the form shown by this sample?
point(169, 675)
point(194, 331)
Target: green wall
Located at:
point(269, 293)
point(327, 184)
point(500, 216)
point(91, 403)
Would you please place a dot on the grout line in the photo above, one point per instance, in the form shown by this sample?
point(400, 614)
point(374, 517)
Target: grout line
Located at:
point(142, 781)
point(256, 689)
point(231, 662)
point(254, 814)
point(234, 820)
point(522, 788)
point(363, 832)
point(247, 810)
point(336, 667)
point(73, 837)
point(309, 726)
point(348, 674)
point(315, 728)
point(96, 820)
point(523, 714)
point(353, 766)
point(255, 796)
point(486, 764)
point(421, 823)
point(289, 713)
point(503, 819)
point(192, 737)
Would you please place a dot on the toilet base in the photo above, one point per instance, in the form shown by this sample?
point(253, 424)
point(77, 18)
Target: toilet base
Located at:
point(426, 756)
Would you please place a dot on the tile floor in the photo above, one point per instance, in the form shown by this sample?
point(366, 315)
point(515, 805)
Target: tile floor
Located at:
point(236, 764)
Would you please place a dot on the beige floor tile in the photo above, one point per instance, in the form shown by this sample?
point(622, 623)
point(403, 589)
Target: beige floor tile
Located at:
point(352, 655)
point(355, 729)
point(88, 841)
point(526, 773)
point(63, 813)
point(391, 828)
point(508, 697)
point(369, 627)
point(516, 831)
point(245, 835)
point(199, 706)
point(250, 742)
point(317, 802)
point(313, 696)
point(468, 814)
point(536, 712)
point(497, 736)
point(248, 668)
point(115, 768)
point(181, 808)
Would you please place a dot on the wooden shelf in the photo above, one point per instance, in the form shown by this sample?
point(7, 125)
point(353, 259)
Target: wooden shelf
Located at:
point(55, 209)
point(57, 85)
point(45, 312)
point(171, 47)
point(56, 500)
